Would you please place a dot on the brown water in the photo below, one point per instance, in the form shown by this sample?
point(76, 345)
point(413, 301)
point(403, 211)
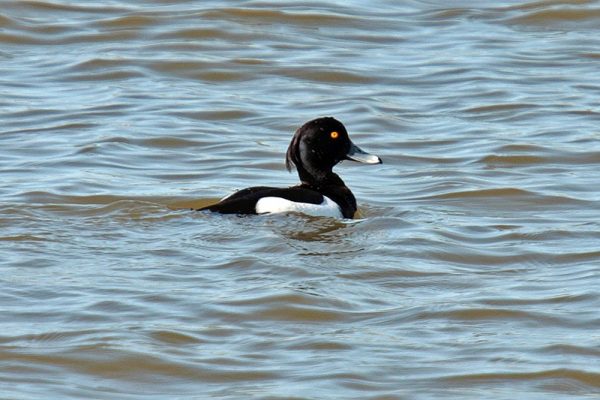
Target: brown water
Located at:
point(472, 274)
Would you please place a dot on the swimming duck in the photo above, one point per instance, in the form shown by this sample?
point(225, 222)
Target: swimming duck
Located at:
point(316, 147)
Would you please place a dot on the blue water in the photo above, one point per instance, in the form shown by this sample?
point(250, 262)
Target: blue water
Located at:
point(471, 272)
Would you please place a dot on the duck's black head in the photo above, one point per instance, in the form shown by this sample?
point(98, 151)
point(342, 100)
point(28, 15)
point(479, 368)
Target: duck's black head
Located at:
point(318, 145)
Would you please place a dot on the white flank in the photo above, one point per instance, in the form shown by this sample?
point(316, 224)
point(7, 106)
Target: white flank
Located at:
point(328, 208)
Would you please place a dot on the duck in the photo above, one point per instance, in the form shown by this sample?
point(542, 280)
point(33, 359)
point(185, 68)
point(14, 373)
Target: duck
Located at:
point(316, 147)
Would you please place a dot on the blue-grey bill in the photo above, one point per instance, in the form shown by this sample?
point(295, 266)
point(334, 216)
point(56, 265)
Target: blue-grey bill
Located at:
point(357, 154)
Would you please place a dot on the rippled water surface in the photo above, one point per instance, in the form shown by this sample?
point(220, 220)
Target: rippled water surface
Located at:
point(472, 272)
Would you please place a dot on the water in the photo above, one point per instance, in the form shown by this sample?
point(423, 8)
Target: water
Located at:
point(472, 272)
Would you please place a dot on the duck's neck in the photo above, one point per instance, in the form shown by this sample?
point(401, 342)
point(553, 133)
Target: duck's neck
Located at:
point(318, 180)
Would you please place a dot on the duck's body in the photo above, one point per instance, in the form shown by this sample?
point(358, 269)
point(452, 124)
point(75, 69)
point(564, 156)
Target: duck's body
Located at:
point(334, 201)
point(315, 149)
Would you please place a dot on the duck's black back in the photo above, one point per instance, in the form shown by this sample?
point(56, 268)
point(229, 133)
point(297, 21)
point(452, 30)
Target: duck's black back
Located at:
point(244, 201)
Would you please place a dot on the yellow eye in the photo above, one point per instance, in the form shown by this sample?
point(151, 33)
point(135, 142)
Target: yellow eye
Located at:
point(334, 135)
